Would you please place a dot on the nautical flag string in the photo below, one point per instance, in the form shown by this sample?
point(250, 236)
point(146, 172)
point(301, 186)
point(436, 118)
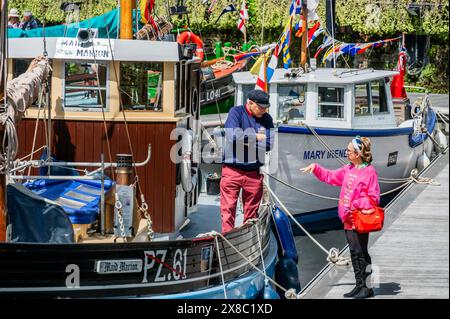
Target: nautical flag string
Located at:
point(286, 42)
point(296, 7)
point(314, 32)
point(341, 48)
point(273, 63)
point(261, 82)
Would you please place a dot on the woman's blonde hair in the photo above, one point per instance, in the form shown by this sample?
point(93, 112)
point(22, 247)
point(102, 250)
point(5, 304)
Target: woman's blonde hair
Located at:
point(366, 153)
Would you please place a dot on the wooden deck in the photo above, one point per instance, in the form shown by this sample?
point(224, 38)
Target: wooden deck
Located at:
point(410, 256)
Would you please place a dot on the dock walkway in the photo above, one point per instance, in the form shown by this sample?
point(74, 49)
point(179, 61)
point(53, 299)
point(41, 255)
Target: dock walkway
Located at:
point(410, 256)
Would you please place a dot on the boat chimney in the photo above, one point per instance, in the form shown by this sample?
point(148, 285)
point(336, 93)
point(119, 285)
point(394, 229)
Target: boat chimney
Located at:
point(124, 171)
point(126, 19)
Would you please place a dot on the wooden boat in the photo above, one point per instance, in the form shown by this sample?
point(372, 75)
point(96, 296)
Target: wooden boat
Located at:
point(106, 118)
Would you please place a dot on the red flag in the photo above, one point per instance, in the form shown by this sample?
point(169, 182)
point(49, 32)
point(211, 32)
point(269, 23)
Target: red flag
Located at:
point(398, 81)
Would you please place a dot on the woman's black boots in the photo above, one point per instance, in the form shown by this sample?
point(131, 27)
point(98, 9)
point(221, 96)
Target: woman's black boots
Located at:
point(358, 276)
point(365, 272)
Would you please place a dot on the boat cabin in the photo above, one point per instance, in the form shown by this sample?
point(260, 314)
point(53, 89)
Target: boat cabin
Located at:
point(152, 81)
point(325, 97)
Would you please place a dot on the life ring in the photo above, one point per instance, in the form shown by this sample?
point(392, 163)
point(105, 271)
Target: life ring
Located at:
point(188, 172)
point(189, 37)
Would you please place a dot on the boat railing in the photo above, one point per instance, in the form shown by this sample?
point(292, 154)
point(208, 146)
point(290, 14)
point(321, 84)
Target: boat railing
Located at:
point(89, 176)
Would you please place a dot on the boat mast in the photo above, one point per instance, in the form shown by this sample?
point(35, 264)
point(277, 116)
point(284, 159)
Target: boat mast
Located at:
point(330, 23)
point(126, 19)
point(304, 26)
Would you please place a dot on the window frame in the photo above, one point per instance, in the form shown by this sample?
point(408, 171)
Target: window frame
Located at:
point(161, 94)
point(370, 98)
point(343, 103)
point(305, 94)
point(106, 107)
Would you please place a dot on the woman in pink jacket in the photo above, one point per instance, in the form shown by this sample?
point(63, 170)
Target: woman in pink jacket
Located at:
point(359, 189)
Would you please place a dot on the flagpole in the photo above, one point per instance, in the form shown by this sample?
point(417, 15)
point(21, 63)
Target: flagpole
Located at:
point(304, 42)
point(332, 35)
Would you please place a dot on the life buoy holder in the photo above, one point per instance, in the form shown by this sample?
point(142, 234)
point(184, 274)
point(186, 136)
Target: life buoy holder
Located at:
point(190, 37)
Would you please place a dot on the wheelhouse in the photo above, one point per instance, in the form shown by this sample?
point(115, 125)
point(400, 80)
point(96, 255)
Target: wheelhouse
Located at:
point(327, 97)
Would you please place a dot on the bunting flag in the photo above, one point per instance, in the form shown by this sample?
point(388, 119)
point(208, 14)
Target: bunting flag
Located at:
point(243, 16)
point(285, 43)
point(314, 32)
point(273, 63)
point(298, 28)
point(229, 8)
point(261, 82)
point(296, 7)
point(327, 40)
point(247, 55)
point(341, 48)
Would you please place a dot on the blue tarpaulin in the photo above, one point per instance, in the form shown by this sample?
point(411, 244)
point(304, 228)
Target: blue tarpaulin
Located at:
point(105, 23)
point(36, 220)
point(79, 199)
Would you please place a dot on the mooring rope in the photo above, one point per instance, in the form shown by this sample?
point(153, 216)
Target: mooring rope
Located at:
point(288, 292)
point(332, 254)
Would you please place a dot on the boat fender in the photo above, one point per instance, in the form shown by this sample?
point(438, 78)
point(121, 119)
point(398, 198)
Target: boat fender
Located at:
point(188, 173)
point(423, 161)
point(286, 274)
point(269, 292)
point(441, 140)
point(190, 37)
point(284, 233)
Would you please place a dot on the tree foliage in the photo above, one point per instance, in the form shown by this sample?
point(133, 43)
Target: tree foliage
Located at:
point(369, 19)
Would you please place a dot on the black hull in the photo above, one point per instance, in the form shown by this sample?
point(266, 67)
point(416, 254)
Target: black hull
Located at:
point(216, 90)
point(170, 267)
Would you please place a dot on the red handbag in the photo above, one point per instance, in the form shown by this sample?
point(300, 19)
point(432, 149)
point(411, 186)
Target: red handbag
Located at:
point(366, 223)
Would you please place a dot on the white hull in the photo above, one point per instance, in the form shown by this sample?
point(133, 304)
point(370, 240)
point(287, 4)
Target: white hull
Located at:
point(297, 150)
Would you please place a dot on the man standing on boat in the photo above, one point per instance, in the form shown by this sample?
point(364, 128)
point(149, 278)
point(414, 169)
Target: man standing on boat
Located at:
point(247, 139)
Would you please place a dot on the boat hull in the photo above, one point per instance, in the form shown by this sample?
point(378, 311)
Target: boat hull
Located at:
point(297, 147)
point(186, 268)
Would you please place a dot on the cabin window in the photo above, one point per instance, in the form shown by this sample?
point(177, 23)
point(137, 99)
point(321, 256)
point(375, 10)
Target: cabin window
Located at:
point(291, 102)
point(141, 86)
point(331, 102)
point(245, 90)
point(85, 86)
point(379, 103)
point(21, 66)
point(370, 98)
point(362, 102)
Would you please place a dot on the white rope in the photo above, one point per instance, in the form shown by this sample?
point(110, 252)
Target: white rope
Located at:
point(299, 189)
point(221, 269)
point(260, 246)
point(332, 254)
point(327, 147)
point(216, 235)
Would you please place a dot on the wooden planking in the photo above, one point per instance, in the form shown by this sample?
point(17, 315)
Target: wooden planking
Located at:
point(85, 141)
point(411, 258)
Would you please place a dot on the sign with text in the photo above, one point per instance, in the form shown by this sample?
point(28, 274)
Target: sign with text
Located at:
point(72, 48)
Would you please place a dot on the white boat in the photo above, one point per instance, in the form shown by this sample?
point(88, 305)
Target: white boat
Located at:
point(316, 115)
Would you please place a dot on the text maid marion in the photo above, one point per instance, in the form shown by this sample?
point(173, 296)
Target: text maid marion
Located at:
point(71, 48)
